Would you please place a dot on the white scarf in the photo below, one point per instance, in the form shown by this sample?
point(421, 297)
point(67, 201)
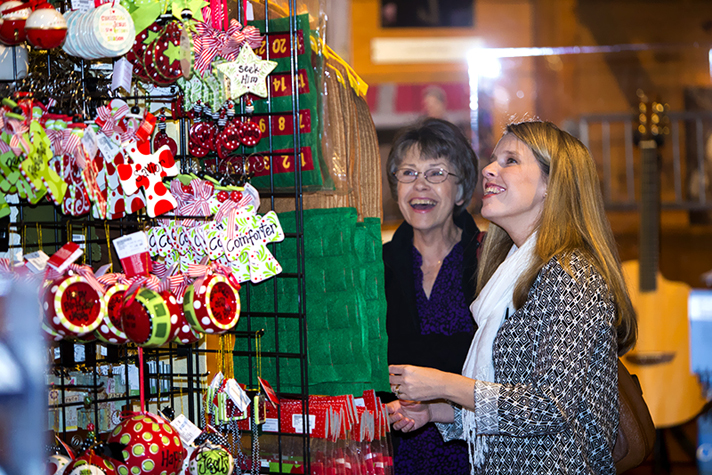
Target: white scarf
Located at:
point(489, 310)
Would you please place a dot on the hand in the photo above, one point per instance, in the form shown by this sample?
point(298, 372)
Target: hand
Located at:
point(407, 416)
point(416, 383)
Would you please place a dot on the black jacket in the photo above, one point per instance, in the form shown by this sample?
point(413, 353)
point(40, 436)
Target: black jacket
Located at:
point(405, 343)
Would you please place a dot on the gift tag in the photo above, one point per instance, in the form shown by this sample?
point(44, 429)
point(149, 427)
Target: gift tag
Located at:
point(89, 142)
point(237, 395)
point(123, 72)
point(37, 261)
point(187, 431)
point(133, 253)
point(66, 255)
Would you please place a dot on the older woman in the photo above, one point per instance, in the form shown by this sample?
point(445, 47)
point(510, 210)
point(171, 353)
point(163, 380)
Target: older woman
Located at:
point(430, 267)
point(538, 392)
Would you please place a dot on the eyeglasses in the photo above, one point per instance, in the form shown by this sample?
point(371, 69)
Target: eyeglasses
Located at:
point(434, 175)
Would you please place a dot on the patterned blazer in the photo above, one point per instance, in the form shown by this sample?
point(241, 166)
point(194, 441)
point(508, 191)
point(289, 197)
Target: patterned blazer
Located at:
point(553, 407)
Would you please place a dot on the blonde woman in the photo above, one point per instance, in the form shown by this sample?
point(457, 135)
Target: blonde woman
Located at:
point(538, 391)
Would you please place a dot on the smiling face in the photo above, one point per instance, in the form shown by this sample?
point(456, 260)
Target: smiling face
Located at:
point(514, 189)
point(426, 206)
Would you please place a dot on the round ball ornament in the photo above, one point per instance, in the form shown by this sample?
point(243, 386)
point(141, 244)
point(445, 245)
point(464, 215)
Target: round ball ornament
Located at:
point(72, 307)
point(57, 463)
point(147, 320)
point(111, 329)
point(211, 458)
point(12, 25)
point(46, 28)
point(214, 307)
point(90, 464)
point(152, 446)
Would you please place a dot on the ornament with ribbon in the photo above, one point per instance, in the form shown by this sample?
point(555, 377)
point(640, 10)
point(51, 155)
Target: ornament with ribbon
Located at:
point(246, 238)
point(145, 314)
point(197, 201)
point(72, 301)
point(111, 329)
point(182, 333)
point(211, 43)
point(212, 303)
point(35, 168)
point(246, 74)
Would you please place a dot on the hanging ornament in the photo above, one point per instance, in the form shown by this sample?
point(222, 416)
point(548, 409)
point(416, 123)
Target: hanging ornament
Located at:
point(147, 172)
point(12, 25)
point(161, 138)
point(73, 306)
point(212, 303)
point(146, 318)
point(111, 329)
point(46, 28)
point(152, 446)
point(210, 458)
point(90, 464)
point(248, 73)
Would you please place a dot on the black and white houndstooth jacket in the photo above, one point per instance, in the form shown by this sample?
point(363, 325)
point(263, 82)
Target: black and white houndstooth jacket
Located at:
point(553, 408)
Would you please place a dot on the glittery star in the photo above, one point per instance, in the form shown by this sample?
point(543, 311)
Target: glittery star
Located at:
point(172, 52)
point(151, 36)
point(246, 74)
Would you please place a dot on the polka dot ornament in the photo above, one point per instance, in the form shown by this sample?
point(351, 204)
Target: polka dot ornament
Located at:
point(153, 447)
point(90, 464)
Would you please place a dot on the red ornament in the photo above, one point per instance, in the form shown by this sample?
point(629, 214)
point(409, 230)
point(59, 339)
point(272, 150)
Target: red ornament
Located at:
point(153, 447)
point(214, 307)
point(46, 28)
point(251, 134)
point(72, 307)
point(111, 329)
point(12, 25)
point(147, 320)
point(236, 196)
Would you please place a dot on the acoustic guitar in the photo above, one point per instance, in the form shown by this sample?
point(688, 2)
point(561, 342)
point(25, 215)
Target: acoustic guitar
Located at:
point(661, 357)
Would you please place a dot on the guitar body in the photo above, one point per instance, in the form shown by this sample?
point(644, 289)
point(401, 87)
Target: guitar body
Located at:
point(661, 357)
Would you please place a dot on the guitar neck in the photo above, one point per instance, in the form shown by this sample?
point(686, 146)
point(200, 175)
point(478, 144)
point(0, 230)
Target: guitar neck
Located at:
point(649, 216)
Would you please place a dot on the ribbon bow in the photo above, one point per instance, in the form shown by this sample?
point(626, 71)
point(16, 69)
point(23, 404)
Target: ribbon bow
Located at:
point(83, 270)
point(111, 120)
point(198, 202)
point(201, 272)
point(210, 43)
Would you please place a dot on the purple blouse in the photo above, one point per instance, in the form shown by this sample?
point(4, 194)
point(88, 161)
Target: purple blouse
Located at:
point(446, 312)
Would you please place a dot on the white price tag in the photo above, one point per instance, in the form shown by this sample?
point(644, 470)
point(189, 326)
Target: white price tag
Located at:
point(298, 423)
point(82, 5)
point(108, 148)
point(271, 425)
point(237, 395)
point(123, 71)
point(80, 239)
point(132, 244)
point(37, 261)
point(133, 378)
point(249, 13)
point(89, 142)
point(187, 431)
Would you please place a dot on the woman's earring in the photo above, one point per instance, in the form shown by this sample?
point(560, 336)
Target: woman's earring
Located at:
point(546, 193)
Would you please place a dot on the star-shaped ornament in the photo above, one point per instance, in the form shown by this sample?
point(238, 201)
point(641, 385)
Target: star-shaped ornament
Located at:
point(248, 73)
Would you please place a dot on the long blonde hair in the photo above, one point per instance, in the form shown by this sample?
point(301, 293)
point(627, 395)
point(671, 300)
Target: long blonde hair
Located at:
point(572, 219)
